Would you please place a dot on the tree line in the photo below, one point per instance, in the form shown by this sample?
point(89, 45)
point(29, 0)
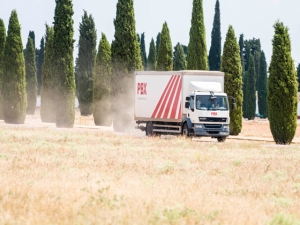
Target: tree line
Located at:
point(102, 79)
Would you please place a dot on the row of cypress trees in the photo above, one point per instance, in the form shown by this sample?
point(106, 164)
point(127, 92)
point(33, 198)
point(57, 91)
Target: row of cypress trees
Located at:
point(125, 53)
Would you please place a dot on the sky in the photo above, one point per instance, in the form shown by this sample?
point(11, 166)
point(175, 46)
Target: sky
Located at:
point(254, 19)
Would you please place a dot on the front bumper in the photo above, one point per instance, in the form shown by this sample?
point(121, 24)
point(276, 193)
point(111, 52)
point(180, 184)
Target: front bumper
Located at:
point(211, 130)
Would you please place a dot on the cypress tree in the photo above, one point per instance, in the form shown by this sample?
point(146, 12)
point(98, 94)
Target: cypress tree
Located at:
point(76, 76)
point(32, 36)
point(247, 54)
point(157, 43)
point(231, 66)
point(250, 89)
point(257, 68)
point(244, 73)
point(165, 53)
point(14, 79)
point(179, 58)
point(245, 84)
point(31, 79)
point(102, 84)
point(143, 51)
point(63, 70)
point(151, 64)
point(40, 62)
point(262, 88)
point(215, 47)
point(197, 52)
point(241, 44)
point(126, 58)
point(298, 76)
point(47, 111)
point(86, 63)
point(282, 88)
point(2, 46)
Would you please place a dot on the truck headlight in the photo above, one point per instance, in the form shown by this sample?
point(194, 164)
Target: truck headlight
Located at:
point(198, 126)
point(226, 126)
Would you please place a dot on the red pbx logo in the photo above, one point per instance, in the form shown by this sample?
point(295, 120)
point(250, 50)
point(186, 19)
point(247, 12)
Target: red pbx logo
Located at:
point(142, 88)
point(214, 113)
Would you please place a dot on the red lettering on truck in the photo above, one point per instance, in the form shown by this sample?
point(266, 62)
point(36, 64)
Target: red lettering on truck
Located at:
point(142, 88)
point(214, 113)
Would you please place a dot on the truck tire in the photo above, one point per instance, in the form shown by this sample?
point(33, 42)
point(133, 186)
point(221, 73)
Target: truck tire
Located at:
point(149, 129)
point(185, 130)
point(221, 139)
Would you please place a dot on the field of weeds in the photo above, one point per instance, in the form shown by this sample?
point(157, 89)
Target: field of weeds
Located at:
point(94, 176)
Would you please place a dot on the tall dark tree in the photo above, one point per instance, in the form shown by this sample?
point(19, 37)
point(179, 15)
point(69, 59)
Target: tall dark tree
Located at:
point(14, 80)
point(244, 73)
point(257, 56)
point(165, 51)
point(143, 51)
point(197, 52)
point(179, 58)
point(245, 80)
point(282, 88)
point(2, 46)
point(76, 76)
point(151, 64)
point(31, 79)
point(86, 63)
point(63, 71)
point(32, 36)
point(253, 47)
point(298, 77)
point(47, 99)
point(126, 58)
point(262, 88)
point(247, 53)
point(157, 43)
point(215, 47)
point(242, 45)
point(231, 66)
point(250, 89)
point(40, 62)
point(102, 84)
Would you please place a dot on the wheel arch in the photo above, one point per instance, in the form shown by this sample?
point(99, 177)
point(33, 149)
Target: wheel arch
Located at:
point(188, 122)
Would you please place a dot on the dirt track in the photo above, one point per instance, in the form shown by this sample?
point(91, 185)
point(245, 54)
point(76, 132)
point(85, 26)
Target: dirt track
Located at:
point(255, 130)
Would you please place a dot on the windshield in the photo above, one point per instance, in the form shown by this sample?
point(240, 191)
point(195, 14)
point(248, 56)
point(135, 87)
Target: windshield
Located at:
point(207, 102)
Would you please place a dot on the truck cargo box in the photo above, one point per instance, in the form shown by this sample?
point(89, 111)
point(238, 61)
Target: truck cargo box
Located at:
point(160, 95)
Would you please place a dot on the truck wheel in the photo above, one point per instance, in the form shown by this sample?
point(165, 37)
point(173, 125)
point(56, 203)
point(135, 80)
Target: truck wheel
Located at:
point(149, 129)
point(185, 130)
point(221, 139)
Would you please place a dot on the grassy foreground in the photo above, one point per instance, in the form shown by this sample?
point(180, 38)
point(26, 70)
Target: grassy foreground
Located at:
point(69, 176)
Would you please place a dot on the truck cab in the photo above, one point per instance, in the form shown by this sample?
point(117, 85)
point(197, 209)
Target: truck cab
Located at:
point(207, 112)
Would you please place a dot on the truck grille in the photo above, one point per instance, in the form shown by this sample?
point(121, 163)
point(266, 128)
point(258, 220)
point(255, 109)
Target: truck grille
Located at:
point(213, 126)
point(212, 119)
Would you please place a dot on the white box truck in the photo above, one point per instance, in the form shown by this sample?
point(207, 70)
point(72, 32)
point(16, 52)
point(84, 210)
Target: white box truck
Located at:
point(191, 103)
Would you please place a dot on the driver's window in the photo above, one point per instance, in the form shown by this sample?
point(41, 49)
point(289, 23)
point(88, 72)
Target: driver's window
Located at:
point(192, 103)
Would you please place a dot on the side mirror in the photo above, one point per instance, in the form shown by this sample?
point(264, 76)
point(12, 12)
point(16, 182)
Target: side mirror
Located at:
point(187, 98)
point(187, 105)
point(233, 100)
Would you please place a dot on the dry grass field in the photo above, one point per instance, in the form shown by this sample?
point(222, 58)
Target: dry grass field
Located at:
point(95, 176)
